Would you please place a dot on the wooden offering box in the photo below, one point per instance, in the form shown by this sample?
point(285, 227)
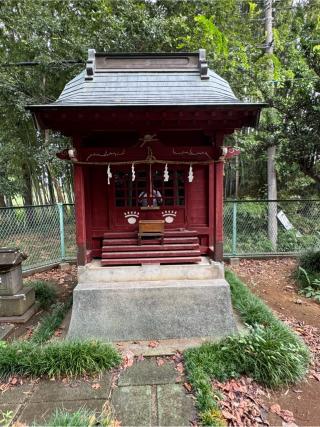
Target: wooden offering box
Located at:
point(151, 226)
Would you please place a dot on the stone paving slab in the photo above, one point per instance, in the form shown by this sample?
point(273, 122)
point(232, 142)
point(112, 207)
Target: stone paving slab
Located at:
point(148, 372)
point(164, 347)
point(40, 412)
point(133, 405)
point(175, 407)
point(51, 391)
point(5, 330)
point(17, 394)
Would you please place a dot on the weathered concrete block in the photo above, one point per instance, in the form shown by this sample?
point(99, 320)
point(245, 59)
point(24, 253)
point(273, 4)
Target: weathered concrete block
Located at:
point(207, 269)
point(11, 280)
point(18, 304)
point(144, 310)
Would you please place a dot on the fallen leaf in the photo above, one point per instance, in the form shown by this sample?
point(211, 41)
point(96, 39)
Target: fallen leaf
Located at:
point(276, 409)
point(128, 359)
point(316, 376)
point(14, 381)
point(140, 358)
point(160, 361)
point(287, 416)
point(115, 423)
point(228, 415)
point(96, 386)
point(180, 368)
point(187, 386)
point(153, 344)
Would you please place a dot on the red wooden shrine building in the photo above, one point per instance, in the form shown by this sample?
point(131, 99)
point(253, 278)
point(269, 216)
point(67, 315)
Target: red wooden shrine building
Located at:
point(147, 145)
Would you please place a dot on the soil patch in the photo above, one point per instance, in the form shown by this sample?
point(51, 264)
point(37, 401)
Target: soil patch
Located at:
point(272, 280)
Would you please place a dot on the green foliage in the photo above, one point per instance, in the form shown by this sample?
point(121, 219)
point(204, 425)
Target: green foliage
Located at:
point(45, 293)
point(6, 418)
point(50, 323)
point(310, 261)
point(308, 274)
point(312, 291)
point(270, 352)
point(56, 359)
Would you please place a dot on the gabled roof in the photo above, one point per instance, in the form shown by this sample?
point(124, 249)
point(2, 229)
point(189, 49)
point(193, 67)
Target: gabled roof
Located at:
point(178, 79)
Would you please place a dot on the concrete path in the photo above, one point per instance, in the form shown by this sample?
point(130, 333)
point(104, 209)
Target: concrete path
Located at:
point(143, 395)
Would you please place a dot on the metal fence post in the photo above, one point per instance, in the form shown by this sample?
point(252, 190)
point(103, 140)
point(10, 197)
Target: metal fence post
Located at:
point(61, 226)
point(234, 228)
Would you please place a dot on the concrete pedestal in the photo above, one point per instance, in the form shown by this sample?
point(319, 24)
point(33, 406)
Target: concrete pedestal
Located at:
point(152, 302)
point(18, 304)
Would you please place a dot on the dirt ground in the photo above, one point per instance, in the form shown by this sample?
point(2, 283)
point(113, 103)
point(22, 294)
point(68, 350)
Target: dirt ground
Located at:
point(272, 280)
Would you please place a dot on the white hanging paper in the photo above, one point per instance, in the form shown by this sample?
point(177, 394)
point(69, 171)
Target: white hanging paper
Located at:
point(133, 173)
point(166, 173)
point(190, 175)
point(109, 174)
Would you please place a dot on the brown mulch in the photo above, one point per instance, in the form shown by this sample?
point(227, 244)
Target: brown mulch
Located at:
point(245, 403)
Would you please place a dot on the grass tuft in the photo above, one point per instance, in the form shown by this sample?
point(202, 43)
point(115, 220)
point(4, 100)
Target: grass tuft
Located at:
point(45, 292)
point(50, 323)
point(271, 353)
point(66, 358)
point(80, 418)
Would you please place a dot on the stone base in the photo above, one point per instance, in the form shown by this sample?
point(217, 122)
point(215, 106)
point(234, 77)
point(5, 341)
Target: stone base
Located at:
point(24, 317)
point(18, 304)
point(152, 310)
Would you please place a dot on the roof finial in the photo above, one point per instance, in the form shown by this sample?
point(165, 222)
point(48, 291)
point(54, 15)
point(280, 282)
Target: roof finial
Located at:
point(203, 65)
point(91, 64)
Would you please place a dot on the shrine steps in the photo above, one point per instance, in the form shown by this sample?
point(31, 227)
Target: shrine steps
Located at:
point(178, 246)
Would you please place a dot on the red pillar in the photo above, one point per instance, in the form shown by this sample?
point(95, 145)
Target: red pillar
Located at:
point(218, 217)
point(211, 197)
point(79, 193)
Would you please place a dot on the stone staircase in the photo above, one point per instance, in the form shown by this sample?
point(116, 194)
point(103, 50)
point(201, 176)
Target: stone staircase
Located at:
point(180, 246)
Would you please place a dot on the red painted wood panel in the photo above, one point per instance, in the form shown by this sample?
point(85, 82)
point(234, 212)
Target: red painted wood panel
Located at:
point(197, 203)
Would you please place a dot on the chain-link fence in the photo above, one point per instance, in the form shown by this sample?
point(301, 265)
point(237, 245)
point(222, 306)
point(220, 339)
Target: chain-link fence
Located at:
point(271, 227)
point(47, 233)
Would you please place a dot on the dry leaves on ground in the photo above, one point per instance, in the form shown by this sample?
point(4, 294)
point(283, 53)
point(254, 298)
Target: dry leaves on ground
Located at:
point(153, 344)
point(128, 359)
point(160, 361)
point(96, 386)
point(311, 336)
point(242, 403)
point(56, 275)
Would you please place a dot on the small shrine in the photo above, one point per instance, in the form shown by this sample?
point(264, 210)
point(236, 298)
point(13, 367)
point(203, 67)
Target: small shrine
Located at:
point(147, 134)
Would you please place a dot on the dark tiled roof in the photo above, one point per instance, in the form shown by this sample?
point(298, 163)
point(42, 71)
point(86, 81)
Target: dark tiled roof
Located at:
point(115, 80)
point(147, 88)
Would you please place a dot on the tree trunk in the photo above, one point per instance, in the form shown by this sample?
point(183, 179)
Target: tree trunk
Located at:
point(27, 188)
point(50, 186)
point(2, 201)
point(272, 195)
point(271, 151)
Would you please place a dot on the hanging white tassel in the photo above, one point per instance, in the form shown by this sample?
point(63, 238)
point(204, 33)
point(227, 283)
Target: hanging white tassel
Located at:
point(190, 175)
point(109, 174)
point(133, 173)
point(166, 173)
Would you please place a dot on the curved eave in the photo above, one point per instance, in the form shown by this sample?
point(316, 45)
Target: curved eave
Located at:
point(70, 119)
